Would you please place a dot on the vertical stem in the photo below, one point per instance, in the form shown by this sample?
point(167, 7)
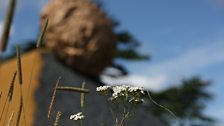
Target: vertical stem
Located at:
point(0, 93)
point(23, 108)
point(3, 109)
point(7, 109)
point(10, 119)
point(7, 25)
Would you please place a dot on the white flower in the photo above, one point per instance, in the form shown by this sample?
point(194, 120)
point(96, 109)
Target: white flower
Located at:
point(136, 100)
point(136, 89)
point(76, 117)
point(102, 88)
point(119, 91)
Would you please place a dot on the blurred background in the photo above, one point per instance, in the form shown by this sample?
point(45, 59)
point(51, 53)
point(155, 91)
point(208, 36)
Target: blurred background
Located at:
point(173, 48)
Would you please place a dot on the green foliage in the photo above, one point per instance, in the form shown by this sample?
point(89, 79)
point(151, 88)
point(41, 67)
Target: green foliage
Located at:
point(186, 101)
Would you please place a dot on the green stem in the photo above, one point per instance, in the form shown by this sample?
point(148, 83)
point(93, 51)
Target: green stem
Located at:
point(153, 101)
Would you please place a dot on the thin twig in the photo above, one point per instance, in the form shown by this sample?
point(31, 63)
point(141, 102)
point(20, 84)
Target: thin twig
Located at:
point(83, 96)
point(123, 119)
point(53, 98)
point(157, 104)
point(73, 89)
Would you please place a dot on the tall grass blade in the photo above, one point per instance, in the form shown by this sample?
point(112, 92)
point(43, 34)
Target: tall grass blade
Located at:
point(39, 43)
point(53, 98)
point(7, 25)
point(3, 109)
point(10, 119)
point(30, 80)
point(40, 39)
point(20, 111)
point(7, 110)
point(73, 89)
point(9, 96)
point(19, 66)
point(56, 123)
point(11, 89)
point(0, 96)
point(23, 108)
point(83, 95)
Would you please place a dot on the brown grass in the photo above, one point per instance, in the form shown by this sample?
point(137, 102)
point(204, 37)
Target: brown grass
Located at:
point(53, 98)
point(9, 68)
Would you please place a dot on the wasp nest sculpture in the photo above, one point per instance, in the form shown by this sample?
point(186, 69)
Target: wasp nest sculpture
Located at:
point(80, 34)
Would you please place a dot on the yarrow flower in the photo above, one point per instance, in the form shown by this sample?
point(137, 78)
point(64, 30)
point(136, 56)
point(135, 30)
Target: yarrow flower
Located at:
point(119, 91)
point(132, 94)
point(136, 100)
point(77, 117)
point(102, 88)
point(136, 89)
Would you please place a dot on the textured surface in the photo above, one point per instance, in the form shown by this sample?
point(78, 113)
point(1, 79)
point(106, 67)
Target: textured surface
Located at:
point(7, 69)
point(80, 34)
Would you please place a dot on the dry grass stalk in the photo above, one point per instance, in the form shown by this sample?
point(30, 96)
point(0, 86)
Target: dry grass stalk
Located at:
point(9, 96)
point(23, 108)
point(56, 123)
point(53, 98)
point(40, 39)
point(7, 25)
point(19, 66)
point(73, 89)
point(11, 89)
point(20, 111)
point(6, 114)
point(83, 95)
point(0, 96)
point(30, 82)
point(39, 43)
point(3, 109)
point(10, 119)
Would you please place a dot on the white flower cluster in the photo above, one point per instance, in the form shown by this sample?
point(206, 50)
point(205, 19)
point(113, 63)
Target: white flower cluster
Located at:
point(119, 91)
point(132, 93)
point(102, 88)
point(136, 100)
point(76, 117)
point(136, 89)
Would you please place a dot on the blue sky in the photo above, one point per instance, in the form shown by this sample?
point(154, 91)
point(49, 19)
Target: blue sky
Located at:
point(184, 38)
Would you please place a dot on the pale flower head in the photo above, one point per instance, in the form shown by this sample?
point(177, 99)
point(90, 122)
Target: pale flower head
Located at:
point(77, 117)
point(119, 91)
point(102, 88)
point(134, 89)
point(136, 100)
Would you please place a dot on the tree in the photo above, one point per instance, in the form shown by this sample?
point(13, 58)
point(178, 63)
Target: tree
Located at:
point(187, 101)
